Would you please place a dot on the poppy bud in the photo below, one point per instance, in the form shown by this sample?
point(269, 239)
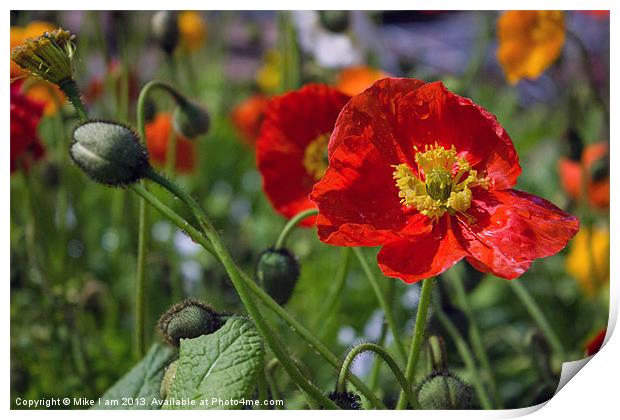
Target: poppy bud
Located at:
point(334, 20)
point(165, 30)
point(191, 119)
point(166, 383)
point(109, 153)
point(188, 319)
point(444, 391)
point(277, 272)
point(346, 400)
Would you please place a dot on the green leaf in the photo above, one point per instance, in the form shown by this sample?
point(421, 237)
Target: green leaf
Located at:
point(217, 368)
point(139, 389)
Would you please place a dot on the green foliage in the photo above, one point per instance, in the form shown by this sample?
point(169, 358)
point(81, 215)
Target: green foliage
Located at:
point(141, 382)
point(223, 365)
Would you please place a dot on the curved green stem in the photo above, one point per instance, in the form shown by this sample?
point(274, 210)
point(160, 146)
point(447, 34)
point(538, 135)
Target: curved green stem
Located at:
point(538, 317)
point(387, 310)
point(267, 300)
point(235, 276)
point(341, 385)
point(290, 225)
point(476, 339)
point(466, 355)
point(418, 335)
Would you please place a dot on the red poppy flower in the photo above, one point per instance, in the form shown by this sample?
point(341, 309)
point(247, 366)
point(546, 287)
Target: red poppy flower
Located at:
point(26, 146)
point(248, 117)
point(158, 133)
point(428, 175)
point(292, 146)
point(571, 175)
point(595, 344)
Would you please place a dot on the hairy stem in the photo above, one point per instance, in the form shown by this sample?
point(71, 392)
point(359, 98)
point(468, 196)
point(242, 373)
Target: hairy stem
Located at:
point(418, 335)
point(267, 300)
point(341, 385)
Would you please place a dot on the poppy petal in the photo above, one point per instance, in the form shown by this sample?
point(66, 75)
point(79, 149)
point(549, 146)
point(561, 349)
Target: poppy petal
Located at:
point(432, 114)
point(512, 229)
point(358, 199)
point(291, 123)
point(423, 257)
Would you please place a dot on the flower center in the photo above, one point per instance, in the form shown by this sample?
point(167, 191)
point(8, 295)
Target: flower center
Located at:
point(443, 182)
point(315, 156)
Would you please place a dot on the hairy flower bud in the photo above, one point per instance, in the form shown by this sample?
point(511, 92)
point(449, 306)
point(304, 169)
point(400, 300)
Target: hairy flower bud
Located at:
point(191, 119)
point(188, 319)
point(277, 272)
point(444, 391)
point(346, 400)
point(109, 153)
point(335, 20)
point(165, 30)
point(166, 383)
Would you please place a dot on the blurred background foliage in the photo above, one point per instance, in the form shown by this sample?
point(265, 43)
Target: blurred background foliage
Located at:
point(73, 243)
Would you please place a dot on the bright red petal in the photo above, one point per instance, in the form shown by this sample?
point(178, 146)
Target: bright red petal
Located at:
point(512, 229)
point(432, 114)
point(358, 199)
point(292, 121)
point(425, 256)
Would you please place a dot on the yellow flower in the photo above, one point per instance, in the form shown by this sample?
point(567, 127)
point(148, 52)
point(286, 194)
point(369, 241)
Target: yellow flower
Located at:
point(588, 259)
point(268, 76)
point(193, 30)
point(529, 42)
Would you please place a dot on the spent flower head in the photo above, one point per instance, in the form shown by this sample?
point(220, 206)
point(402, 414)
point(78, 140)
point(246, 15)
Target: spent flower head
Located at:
point(49, 56)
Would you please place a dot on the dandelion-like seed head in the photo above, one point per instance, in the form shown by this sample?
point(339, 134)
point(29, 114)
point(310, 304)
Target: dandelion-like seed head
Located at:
point(49, 56)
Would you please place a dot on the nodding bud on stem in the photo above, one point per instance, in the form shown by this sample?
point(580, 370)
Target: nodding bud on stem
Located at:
point(109, 153)
point(166, 383)
point(190, 119)
point(334, 20)
point(277, 272)
point(346, 400)
point(188, 319)
point(165, 30)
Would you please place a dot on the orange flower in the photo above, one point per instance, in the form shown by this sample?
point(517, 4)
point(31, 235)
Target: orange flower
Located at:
point(158, 133)
point(192, 29)
point(48, 94)
point(529, 42)
point(571, 176)
point(356, 79)
point(248, 116)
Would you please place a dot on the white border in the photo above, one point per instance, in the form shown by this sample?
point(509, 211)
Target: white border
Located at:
point(593, 394)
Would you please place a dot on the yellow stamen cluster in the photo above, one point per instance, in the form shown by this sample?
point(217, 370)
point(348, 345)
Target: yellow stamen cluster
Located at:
point(49, 56)
point(315, 156)
point(438, 187)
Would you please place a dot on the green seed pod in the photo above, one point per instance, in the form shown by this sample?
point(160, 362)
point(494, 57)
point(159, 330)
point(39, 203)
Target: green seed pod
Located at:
point(444, 391)
point(190, 119)
point(188, 319)
point(165, 30)
point(109, 153)
point(335, 20)
point(346, 400)
point(166, 383)
point(277, 272)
